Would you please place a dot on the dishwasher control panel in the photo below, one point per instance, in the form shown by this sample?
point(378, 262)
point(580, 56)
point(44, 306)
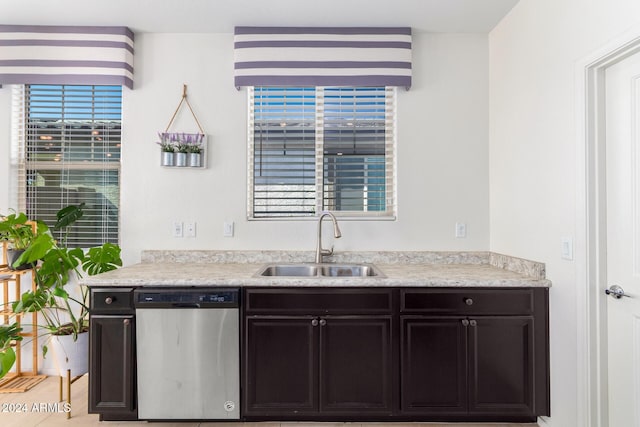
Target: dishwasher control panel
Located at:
point(187, 298)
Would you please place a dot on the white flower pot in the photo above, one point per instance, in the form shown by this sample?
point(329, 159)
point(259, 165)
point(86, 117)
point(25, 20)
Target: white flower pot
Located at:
point(64, 353)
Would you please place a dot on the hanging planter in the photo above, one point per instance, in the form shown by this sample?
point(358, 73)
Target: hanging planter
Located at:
point(182, 149)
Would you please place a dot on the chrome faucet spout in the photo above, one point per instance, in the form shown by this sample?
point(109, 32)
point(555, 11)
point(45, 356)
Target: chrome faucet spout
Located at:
point(320, 252)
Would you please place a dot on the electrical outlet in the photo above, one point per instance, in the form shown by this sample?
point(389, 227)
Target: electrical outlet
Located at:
point(190, 229)
point(227, 230)
point(177, 229)
point(461, 230)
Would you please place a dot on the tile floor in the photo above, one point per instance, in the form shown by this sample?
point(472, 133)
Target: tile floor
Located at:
point(46, 394)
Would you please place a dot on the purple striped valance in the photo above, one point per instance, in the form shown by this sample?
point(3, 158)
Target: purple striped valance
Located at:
point(45, 54)
point(322, 56)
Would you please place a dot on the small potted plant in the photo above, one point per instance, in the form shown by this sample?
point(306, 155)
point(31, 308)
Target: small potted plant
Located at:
point(182, 150)
point(167, 147)
point(194, 148)
point(18, 232)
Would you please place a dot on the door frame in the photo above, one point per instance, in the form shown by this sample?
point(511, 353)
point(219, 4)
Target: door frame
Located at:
point(591, 216)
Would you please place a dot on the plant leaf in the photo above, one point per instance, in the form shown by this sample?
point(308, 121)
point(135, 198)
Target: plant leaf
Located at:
point(7, 359)
point(68, 215)
point(102, 258)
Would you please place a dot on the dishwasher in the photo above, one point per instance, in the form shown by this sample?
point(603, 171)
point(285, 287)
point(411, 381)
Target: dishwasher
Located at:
point(187, 348)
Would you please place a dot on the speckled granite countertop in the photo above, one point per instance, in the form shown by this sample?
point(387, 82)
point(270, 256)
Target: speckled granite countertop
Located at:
point(238, 268)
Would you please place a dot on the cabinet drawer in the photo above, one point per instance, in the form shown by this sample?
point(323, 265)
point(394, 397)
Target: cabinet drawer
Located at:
point(112, 300)
point(467, 301)
point(318, 300)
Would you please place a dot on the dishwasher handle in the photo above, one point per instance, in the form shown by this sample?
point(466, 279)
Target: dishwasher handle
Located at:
point(185, 305)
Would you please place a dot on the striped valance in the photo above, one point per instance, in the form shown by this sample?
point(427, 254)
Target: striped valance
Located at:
point(34, 54)
point(349, 56)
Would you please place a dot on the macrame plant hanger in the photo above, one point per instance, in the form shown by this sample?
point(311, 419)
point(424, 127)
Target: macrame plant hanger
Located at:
point(184, 100)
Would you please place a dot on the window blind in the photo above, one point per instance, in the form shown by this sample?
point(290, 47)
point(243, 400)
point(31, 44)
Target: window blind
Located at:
point(326, 148)
point(282, 139)
point(357, 149)
point(72, 156)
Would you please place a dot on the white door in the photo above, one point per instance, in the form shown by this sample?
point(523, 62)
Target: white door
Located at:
point(623, 240)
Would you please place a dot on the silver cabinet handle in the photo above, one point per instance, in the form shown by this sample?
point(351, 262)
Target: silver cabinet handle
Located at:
point(616, 291)
point(125, 321)
point(323, 322)
point(108, 300)
point(314, 322)
point(465, 322)
point(468, 301)
point(473, 323)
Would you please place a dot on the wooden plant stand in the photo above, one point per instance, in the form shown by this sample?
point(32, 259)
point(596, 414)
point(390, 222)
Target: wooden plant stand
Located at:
point(20, 380)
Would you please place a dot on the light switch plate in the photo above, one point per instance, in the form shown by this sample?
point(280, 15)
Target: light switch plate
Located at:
point(177, 229)
point(227, 230)
point(567, 248)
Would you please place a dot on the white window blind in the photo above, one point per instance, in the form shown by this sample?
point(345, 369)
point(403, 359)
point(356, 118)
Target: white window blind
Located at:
point(72, 145)
point(321, 148)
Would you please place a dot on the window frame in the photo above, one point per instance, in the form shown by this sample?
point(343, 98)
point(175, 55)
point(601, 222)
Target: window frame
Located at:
point(390, 162)
point(22, 166)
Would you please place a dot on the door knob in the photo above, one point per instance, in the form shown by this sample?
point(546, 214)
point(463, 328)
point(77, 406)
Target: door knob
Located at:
point(616, 291)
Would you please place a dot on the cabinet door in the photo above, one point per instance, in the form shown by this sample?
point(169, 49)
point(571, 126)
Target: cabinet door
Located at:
point(355, 365)
point(434, 365)
point(501, 365)
point(112, 365)
point(280, 365)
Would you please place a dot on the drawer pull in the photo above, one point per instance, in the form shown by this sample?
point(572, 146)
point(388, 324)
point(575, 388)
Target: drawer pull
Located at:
point(108, 300)
point(323, 322)
point(473, 323)
point(465, 322)
point(314, 322)
point(468, 301)
point(125, 321)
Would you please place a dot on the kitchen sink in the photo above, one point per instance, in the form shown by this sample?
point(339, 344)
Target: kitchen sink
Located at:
point(319, 270)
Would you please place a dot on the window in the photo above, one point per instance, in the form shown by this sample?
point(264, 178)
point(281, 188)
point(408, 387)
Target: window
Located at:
point(69, 140)
point(321, 148)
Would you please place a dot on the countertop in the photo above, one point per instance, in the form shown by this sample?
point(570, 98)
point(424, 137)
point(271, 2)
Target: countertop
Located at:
point(406, 269)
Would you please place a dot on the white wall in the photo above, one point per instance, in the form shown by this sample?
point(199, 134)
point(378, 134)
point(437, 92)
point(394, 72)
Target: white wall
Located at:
point(442, 152)
point(443, 172)
point(534, 54)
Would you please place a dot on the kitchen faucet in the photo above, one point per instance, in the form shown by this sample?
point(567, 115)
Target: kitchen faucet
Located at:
point(336, 233)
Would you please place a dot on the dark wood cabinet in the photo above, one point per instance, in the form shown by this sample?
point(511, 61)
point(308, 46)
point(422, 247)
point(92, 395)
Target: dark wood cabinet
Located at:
point(400, 354)
point(334, 361)
point(501, 362)
point(112, 374)
point(355, 364)
point(281, 365)
point(434, 365)
point(480, 354)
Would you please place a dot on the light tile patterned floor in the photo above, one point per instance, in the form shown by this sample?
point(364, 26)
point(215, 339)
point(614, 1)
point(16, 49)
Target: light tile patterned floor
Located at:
point(45, 396)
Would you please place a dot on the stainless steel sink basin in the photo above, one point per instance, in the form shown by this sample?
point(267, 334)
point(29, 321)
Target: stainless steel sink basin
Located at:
point(293, 270)
point(319, 270)
point(348, 271)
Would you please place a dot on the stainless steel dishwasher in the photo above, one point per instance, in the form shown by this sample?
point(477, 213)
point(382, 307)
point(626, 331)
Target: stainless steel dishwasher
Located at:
point(188, 361)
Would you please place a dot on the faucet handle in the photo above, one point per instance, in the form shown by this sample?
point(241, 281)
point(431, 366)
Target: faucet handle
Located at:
point(327, 251)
